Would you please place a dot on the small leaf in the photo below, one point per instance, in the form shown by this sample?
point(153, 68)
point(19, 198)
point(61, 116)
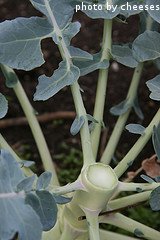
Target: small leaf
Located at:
point(154, 87)
point(43, 180)
point(76, 125)
point(156, 140)
point(146, 46)
point(61, 199)
point(26, 184)
point(154, 200)
point(10, 76)
point(147, 179)
point(123, 54)
point(49, 86)
point(3, 105)
point(120, 108)
point(79, 54)
point(138, 233)
point(44, 205)
point(91, 118)
point(26, 163)
point(89, 66)
point(137, 109)
point(135, 128)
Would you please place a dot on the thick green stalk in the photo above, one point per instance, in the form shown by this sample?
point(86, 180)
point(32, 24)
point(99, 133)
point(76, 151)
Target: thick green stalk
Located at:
point(36, 131)
point(123, 186)
point(80, 109)
point(88, 157)
point(116, 134)
point(101, 87)
point(130, 225)
point(129, 200)
point(138, 146)
point(93, 225)
point(107, 235)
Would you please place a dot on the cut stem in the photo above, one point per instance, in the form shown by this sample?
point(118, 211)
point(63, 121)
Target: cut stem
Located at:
point(138, 146)
point(101, 87)
point(116, 134)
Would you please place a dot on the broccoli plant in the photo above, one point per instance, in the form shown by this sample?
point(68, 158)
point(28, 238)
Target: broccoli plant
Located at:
point(37, 207)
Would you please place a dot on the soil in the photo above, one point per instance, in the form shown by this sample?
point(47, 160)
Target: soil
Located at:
point(57, 132)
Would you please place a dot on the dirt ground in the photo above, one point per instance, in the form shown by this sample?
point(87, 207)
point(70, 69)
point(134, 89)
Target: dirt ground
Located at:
point(57, 132)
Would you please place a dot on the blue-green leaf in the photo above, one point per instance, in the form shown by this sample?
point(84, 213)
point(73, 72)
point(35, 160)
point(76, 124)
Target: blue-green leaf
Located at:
point(156, 140)
point(49, 86)
point(135, 128)
point(157, 63)
point(79, 54)
point(154, 200)
point(154, 13)
point(44, 180)
point(146, 46)
point(89, 66)
point(26, 163)
point(20, 42)
point(26, 184)
point(154, 87)
point(45, 206)
point(16, 216)
point(76, 125)
point(123, 54)
point(61, 10)
point(3, 105)
point(120, 108)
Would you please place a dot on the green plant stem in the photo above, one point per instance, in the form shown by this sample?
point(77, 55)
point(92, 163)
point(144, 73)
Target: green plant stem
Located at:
point(116, 134)
point(107, 235)
point(5, 145)
point(130, 225)
point(137, 147)
point(80, 109)
point(101, 87)
point(93, 225)
point(135, 186)
point(129, 200)
point(88, 157)
point(36, 131)
point(71, 187)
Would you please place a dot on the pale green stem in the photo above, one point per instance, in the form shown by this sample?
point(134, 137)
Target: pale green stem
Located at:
point(36, 131)
point(138, 146)
point(101, 87)
point(116, 134)
point(123, 186)
point(129, 200)
point(107, 235)
point(88, 157)
point(130, 225)
point(5, 145)
point(71, 187)
point(67, 234)
point(85, 135)
point(93, 225)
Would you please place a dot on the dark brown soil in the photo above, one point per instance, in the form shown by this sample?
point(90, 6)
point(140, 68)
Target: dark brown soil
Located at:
point(88, 39)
